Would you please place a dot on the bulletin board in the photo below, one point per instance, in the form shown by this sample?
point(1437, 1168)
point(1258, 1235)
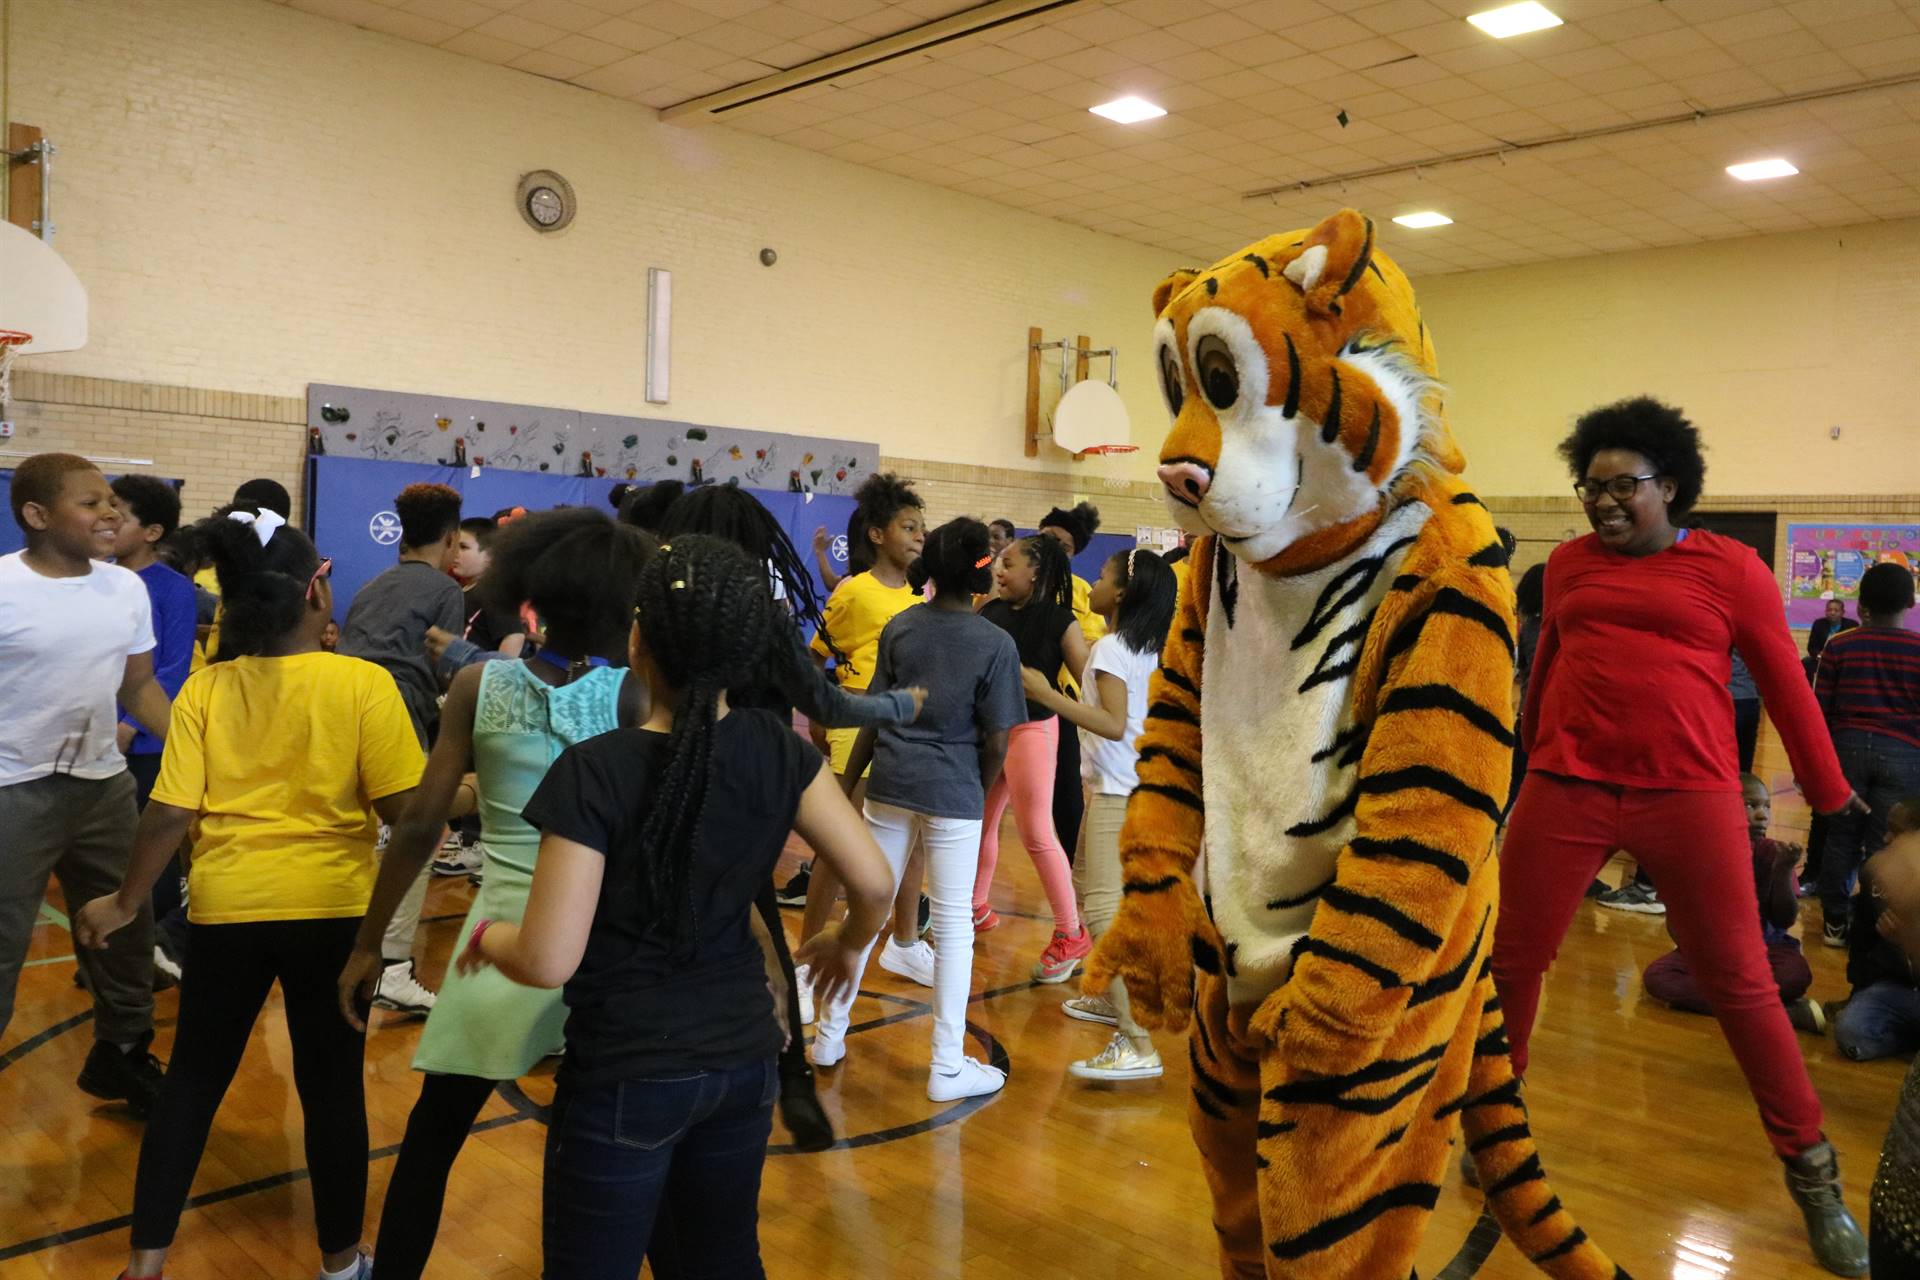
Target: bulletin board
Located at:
point(1824, 558)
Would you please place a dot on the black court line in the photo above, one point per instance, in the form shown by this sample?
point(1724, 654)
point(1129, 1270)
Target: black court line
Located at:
point(31, 1043)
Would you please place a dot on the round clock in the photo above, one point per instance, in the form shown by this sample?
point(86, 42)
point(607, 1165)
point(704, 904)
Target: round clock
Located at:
point(546, 200)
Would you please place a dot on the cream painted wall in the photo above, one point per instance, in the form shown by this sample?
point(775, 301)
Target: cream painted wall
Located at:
point(257, 198)
point(1766, 342)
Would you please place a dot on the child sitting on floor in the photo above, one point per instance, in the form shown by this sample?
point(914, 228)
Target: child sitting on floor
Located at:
point(1882, 1018)
point(1670, 979)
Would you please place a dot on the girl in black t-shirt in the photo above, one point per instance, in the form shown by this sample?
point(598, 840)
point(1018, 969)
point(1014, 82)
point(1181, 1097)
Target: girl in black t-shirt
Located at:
point(1035, 606)
point(655, 842)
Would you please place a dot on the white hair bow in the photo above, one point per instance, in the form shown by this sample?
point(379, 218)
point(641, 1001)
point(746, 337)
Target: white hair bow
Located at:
point(264, 523)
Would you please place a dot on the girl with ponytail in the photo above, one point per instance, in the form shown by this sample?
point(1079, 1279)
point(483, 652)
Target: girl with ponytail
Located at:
point(931, 778)
point(279, 758)
point(655, 842)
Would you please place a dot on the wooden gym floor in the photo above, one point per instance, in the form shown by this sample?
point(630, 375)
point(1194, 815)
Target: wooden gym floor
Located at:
point(1644, 1124)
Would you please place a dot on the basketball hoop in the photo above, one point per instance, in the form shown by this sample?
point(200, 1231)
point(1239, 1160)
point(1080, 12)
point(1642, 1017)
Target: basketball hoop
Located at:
point(11, 340)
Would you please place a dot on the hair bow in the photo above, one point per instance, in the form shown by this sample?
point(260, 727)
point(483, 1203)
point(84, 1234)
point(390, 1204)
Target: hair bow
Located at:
point(265, 523)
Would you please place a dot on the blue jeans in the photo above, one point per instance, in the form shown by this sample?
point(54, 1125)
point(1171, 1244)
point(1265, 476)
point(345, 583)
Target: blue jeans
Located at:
point(1880, 1021)
point(1884, 771)
point(666, 1168)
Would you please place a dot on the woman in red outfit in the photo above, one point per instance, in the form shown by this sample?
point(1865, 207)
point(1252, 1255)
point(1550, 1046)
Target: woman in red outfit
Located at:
point(1630, 742)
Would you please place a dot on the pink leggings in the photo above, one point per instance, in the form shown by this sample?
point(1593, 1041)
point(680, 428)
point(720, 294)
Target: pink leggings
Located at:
point(1695, 846)
point(1028, 782)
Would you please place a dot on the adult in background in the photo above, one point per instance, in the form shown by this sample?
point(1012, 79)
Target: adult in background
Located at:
point(1073, 530)
point(73, 635)
point(1868, 686)
point(1629, 735)
point(387, 625)
point(1826, 627)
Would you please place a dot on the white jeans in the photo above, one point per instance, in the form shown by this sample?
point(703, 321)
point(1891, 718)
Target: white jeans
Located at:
point(953, 856)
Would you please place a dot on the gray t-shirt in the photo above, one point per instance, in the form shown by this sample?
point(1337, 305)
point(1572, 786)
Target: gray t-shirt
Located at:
point(971, 672)
point(387, 625)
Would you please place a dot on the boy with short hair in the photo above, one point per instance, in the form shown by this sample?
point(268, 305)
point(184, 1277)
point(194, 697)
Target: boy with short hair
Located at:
point(149, 513)
point(387, 625)
point(74, 634)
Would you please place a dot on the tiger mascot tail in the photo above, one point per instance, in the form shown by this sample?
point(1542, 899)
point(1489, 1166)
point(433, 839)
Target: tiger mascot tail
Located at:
point(1331, 729)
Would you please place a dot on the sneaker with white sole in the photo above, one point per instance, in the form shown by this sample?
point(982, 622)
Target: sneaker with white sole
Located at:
point(803, 987)
point(827, 1051)
point(1063, 956)
point(973, 1079)
point(1120, 1060)
point(915, 962)
point(401, 991)
point(362, 1270)
point(794, 892)
point(1634, 897)
point(457, 860)
point(1092, 1009)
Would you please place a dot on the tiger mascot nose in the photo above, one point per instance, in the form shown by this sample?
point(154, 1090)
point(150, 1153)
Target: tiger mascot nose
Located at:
point(1187, 481)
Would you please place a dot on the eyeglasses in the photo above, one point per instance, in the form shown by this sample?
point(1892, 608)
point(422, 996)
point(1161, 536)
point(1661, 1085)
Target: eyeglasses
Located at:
point(324, 571)
point(1619, 488)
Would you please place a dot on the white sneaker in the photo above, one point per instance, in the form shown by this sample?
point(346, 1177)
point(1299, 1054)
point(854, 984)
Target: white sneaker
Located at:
point(974, 1079)
point(1118, 1061)
point(803, 986)
point(827, 1050)
point(457, 860)
point(362, 1269)
point(915, 962)
point(400, 991)
point(1092, 1009)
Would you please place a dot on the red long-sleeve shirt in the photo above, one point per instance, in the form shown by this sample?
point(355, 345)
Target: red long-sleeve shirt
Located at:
point(1630, 680)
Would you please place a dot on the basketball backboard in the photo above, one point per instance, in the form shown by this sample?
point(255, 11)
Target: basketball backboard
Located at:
point(1089, 416)
point(40, 294)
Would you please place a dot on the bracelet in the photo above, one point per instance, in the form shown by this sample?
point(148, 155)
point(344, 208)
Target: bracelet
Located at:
point(479, 932)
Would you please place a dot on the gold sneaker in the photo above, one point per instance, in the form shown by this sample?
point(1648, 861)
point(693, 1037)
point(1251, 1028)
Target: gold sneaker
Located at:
point(1118, 1061)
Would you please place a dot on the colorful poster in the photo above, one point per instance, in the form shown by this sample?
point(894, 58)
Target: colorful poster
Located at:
point(1825, 559)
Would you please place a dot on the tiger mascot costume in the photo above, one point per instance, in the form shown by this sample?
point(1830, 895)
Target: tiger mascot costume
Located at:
point(1331, 728)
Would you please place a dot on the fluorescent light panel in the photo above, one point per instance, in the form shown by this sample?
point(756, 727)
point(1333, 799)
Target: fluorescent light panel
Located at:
point(1757, 170)
point(1515, 19)
point(1128, 110)
point(1420, 221)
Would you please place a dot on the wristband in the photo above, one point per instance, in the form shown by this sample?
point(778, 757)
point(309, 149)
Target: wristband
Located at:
point(479, 932)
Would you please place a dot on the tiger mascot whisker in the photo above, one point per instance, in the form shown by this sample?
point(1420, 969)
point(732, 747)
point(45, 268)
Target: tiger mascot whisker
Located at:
point(1331, 730)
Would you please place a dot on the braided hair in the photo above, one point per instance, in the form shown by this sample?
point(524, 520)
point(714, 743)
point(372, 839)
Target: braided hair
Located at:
point(263, 590)
point(956, 559)
point(707, 619)
point(730, 512)
point(1052, 585)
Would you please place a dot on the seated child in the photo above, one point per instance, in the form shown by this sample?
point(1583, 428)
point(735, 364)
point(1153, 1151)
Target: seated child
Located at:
point(1670, 979)
point(1882, 1018)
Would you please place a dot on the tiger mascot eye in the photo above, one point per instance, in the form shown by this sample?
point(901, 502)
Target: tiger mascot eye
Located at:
point(1331, 731)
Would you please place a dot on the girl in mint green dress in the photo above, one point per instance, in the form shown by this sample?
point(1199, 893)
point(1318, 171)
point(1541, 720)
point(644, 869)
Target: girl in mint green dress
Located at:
point(504, 722)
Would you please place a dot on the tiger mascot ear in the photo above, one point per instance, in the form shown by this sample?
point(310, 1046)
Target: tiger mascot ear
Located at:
point(1332, 259)
point(1172, 285)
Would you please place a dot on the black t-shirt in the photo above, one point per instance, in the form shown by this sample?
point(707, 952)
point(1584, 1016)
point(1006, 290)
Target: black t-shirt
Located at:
point(1036, 630)
point(489, 628)
point(640, 1003)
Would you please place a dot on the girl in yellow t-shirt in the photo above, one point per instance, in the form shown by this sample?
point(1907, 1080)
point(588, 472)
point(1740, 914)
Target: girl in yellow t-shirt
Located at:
point(283, 755)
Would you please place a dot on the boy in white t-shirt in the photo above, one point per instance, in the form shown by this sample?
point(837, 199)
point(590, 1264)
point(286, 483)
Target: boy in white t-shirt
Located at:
point(75, 636)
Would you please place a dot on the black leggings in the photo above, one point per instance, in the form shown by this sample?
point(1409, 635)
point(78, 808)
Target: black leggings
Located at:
point(793, 1059)
point(1069, 800)
point(437, 1129)
point(234, 969)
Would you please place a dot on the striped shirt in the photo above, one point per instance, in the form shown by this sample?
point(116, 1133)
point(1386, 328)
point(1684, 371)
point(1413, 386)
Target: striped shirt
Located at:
point(1870, 679)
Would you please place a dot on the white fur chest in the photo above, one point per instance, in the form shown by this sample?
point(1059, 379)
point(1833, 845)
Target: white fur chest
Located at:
point(1279, 752)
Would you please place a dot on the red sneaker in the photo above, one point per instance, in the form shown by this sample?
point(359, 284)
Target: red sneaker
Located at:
point(1063, 956)
point(984, 918)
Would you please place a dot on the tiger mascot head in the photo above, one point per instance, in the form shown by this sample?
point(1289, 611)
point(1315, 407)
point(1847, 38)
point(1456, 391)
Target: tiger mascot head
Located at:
point(1302, 386)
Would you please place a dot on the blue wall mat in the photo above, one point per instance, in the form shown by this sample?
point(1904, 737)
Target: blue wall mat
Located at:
point(11, 539)
point(350, 506)
point(397, 426)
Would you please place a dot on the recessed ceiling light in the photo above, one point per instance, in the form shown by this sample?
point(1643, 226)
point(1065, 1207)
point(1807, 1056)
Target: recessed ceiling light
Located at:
point(1422, 220)
point(1128, 110)
point(1515, 19)
point(1755, 170)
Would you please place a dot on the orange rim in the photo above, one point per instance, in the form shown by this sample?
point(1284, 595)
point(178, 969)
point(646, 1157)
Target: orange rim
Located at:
point(14, 337)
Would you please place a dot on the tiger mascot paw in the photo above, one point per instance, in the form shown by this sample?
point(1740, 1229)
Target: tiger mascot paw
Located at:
point(1160, 935)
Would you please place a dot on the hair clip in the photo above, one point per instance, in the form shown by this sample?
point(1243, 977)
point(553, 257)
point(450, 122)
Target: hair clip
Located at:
point(678, 584)
point(983, 561)
point(666, 546)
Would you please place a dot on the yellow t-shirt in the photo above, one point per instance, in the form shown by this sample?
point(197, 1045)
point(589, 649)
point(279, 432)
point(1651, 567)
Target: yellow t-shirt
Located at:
point(1092, 626)
point(207, 580)
point(856, 613)
point(282, 758)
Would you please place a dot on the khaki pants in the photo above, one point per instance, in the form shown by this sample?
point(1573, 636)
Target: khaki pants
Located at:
point(1097, 883)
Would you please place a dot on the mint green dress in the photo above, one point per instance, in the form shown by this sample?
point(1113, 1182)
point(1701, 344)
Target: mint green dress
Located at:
point(485, 1024)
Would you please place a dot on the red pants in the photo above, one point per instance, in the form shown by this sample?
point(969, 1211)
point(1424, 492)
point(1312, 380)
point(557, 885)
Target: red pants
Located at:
point(1670, 979)
point(1695, 846)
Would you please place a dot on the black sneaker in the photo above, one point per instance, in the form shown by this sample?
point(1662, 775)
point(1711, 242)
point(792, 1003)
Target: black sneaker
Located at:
point(801, 1112)
point(926, 916)
point(794, 892)
point(1635, 897)
point(132, 1077)
point(1813, 1180)
point(1834, 933)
